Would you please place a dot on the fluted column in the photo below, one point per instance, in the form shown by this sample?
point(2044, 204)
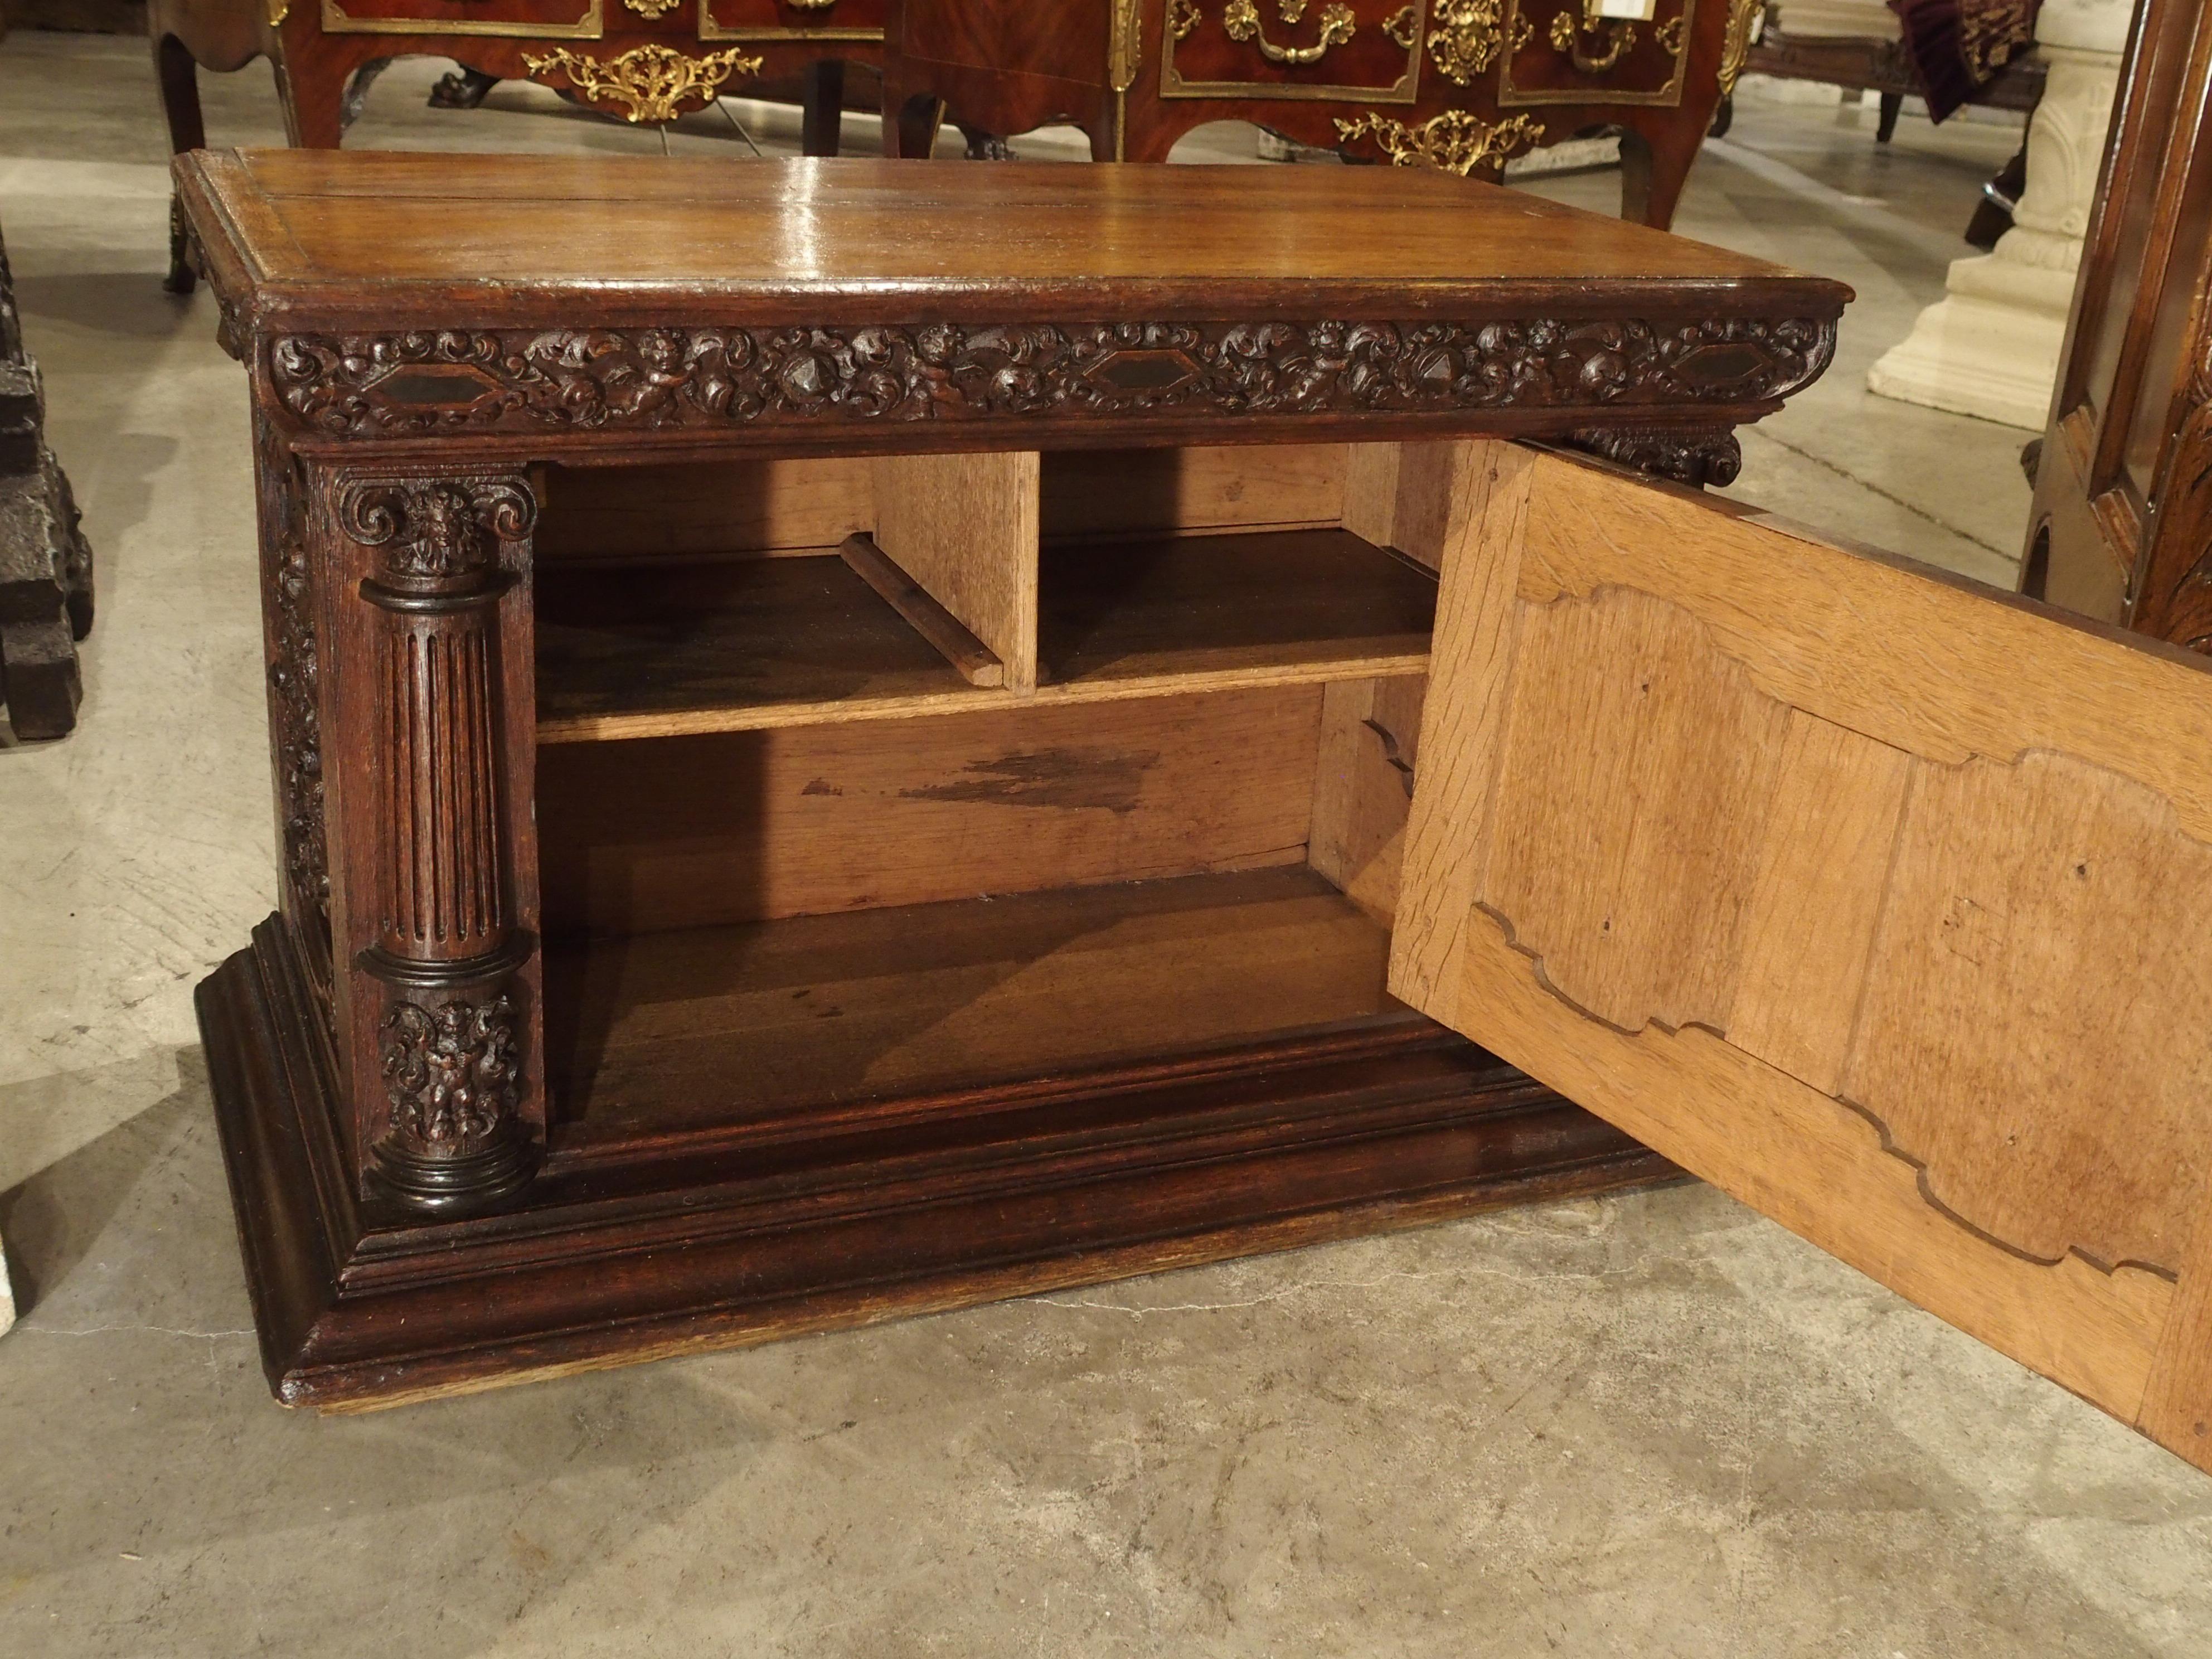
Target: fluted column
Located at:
point(446, 952)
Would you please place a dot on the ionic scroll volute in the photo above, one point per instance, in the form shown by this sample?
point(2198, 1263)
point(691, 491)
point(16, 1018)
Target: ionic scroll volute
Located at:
point(449, 950)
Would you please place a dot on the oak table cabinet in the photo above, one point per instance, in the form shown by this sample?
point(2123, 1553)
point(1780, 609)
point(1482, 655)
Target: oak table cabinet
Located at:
point(1461, 85)
point(952, 730)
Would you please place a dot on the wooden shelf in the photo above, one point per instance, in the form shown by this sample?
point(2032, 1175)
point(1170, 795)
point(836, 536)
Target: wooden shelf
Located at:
point(669, 1033)
point(750, 643)
point(1175, 611)
point(724, 645)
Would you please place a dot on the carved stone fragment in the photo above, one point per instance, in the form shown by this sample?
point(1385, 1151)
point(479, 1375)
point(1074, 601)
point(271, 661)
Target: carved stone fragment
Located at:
point(46, 564)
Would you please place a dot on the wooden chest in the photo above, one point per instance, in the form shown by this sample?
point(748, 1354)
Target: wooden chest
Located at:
point(957, 730)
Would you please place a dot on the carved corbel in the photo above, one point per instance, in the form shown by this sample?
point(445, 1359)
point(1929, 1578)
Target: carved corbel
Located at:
point(1696, 456)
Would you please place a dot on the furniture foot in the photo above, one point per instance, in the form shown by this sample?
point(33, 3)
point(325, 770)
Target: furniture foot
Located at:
point(176, 77)
point(985, 146)
point(313, 104)
point(1886, 124)
point(1993, 214)
point(912, 132)
point(1723, 118)
point(462, 89)
point(356, 92)
point(182, 278)
point(1651, 179)
point(822, 107)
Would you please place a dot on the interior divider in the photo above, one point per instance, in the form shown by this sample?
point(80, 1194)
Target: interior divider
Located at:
point(962, 530)
point(1399, 496)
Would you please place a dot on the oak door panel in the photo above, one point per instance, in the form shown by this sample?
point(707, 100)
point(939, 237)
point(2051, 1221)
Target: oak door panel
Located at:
point(1873, 899)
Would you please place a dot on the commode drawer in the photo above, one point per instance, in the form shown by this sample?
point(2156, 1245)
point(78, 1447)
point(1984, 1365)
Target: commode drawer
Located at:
point(1292, 48)
point(538, 20)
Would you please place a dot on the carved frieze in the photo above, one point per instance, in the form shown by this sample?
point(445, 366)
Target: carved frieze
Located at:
point(394, 384)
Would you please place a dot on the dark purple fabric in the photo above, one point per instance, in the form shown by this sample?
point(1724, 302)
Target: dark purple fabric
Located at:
point(1960, 46)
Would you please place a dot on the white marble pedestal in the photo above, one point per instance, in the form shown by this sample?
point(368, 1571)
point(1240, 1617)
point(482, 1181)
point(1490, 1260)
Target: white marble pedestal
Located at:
point(1990, 346)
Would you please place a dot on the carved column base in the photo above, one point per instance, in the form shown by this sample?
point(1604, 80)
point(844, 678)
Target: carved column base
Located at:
point(448, 1048)
point(1693, 456)
point(456, 1186)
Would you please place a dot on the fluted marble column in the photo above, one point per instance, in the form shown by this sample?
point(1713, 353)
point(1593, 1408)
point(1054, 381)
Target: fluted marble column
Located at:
point(1990, 346)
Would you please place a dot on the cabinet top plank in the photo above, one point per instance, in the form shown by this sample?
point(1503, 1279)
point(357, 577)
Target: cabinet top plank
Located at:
point(833, 303)
point(796, 232)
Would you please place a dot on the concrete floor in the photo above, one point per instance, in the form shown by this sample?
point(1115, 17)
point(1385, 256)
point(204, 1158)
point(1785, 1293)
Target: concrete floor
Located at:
point(1654, 1425)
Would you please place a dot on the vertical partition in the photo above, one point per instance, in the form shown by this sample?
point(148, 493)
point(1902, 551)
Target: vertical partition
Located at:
point(962, 529)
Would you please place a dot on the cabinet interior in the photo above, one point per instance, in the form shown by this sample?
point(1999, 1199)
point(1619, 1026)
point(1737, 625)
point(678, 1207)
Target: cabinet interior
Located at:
point(884, 778)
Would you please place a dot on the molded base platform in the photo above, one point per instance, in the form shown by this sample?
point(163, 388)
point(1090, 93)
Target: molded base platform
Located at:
point(617, 1253)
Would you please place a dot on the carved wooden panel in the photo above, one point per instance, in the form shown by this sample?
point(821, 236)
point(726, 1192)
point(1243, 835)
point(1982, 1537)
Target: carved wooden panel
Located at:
point(1858, 894)
point(726, 379)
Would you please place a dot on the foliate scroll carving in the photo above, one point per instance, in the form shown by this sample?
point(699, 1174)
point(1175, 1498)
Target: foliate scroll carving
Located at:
point(451, 1072)
point(1735, 43)
point(1125, 45)
point(652, 83)
point(381, 385)
point(292, 670)
point(1455, 141)
point(433, 528)
point(1710, 456)
point(1465, 37)
point(290, 604)
point(2179, 607)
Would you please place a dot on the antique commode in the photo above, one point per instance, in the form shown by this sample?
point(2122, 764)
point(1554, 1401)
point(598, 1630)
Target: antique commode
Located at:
point(854, 737)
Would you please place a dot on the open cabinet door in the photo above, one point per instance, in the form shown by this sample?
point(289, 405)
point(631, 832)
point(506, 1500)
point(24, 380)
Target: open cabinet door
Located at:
point(1882, 902)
